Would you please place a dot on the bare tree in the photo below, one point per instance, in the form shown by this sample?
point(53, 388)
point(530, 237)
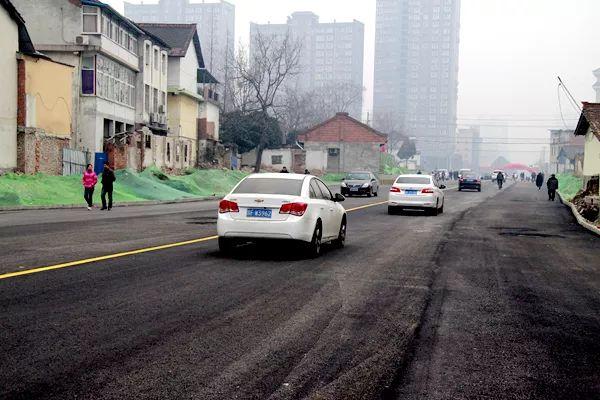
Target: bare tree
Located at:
point(301, 110)
point(261, 73)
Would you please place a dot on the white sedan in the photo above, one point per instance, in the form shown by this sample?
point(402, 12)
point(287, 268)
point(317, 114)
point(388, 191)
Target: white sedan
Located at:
point(416, 192)
point(281, 206)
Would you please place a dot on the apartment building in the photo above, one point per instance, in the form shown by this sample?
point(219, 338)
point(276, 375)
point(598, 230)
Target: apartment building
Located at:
point(416, 73)
point(331, 52)
point(215, 23)
point(103, 48)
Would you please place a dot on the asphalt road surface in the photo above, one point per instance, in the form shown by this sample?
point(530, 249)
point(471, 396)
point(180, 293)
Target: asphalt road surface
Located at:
point(497, 298)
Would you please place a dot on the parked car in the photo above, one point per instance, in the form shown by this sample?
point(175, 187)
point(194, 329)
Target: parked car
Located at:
point(469, 181)
point(282, 206)
point(487, 176)
point(360, 183)
point(421, 192)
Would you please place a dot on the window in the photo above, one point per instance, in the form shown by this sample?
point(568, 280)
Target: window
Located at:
point(148, 141)
point(164, 64)
point(90, 19)
point(156, 59)
point(314, 191)
point(155, 100)
point(168, 152)
point(276, 160)
point(324, 191)
point(291, 187)
point(147, 54)
point(114, 81)
point(87, 75)
point(147, 98)
point(164, 100)
point(185, 154)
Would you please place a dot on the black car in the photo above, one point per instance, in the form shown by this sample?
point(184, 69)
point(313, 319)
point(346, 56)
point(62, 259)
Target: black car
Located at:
point(469, 182)
point(359, 184)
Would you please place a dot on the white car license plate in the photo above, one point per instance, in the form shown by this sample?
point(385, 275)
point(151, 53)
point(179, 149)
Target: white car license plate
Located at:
point(259, 213)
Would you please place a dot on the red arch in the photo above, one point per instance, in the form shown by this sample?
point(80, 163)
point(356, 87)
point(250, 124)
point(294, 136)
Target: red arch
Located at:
point(517, 167)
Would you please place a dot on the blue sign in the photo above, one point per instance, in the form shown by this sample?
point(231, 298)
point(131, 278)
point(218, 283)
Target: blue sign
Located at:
point(99, 160)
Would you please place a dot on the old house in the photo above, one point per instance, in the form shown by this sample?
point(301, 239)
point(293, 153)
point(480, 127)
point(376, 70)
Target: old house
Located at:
point(41, 102)
point(342, 144)
point(192, 114)
point(589, 127)
point(13, 38)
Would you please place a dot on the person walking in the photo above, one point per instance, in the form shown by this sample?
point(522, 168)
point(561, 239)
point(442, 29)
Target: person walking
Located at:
point(108, 179)
point(306, 172)
point(89, 183)
point(284, 170)
point(552, 185)
point(539, 180)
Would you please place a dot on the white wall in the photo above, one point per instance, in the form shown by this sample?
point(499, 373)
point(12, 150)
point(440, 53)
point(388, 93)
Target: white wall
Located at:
point(9, 43)
point(211, 112)
point(188, 74)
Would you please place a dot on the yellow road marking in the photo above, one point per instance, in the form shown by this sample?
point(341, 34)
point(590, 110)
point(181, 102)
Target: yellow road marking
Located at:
point(366, 206)
point(134, 252)
point(107, 257)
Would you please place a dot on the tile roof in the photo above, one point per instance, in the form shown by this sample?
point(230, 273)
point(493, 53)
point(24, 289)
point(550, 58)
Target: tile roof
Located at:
point(589, 119)
point(25, 43)
point(178, 37)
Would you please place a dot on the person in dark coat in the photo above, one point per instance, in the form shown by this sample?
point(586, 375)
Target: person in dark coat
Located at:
point(284, 170)
point(108, 179)
point(552, 187)
point(539, 180)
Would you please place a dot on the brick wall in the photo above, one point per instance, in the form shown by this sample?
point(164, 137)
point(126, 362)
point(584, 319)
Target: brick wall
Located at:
point(39, 153)
point(21, 95)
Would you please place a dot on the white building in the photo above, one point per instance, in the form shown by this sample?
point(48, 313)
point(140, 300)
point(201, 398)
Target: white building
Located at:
point(10, 20)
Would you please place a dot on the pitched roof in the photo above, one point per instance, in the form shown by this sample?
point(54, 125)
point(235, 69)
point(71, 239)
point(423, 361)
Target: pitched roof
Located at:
point(25, 43)
point(589, 119)
point(342, 117)
point(178, 37)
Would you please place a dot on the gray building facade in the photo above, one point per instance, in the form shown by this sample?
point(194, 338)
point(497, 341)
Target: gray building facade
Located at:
point(416, 74)
point(331, 52)
point(215, 23)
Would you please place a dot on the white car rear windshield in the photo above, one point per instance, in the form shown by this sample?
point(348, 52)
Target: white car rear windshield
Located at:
point(290, 187)
point(413, 180)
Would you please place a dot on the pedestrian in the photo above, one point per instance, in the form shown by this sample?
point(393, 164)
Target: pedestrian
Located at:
point(108, 179)
point(419, 172)
point(306, 172)
point(89, 183)
point(539, 180)
point(552, 187)
point(284, 170)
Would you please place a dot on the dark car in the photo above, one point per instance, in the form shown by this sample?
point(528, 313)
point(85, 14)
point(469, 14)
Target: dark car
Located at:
point(360, 183)
point(469, 181)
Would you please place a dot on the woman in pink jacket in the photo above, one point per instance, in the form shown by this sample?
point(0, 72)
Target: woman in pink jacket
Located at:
point(89, 182)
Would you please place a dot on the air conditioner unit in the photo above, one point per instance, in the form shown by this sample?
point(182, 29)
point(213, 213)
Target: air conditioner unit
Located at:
point(163, 119)
point(82, 40)
point(153, 118)
point(161, 109)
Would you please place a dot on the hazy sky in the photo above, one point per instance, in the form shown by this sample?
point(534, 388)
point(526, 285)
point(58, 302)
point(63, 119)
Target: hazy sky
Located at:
point(510, 54)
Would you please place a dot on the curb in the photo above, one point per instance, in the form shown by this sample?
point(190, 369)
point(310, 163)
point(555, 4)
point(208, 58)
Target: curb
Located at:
point(126, 204)
point(582, 221)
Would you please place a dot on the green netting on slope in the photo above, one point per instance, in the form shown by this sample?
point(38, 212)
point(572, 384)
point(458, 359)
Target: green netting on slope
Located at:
point(568, 185)
point(152, 184)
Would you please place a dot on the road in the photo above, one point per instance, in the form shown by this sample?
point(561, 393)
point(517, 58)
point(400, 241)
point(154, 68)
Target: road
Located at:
point(497, 298)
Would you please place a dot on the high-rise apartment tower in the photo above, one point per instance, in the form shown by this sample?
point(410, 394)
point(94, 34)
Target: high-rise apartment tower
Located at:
point(416, 74)
point(331, 52)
